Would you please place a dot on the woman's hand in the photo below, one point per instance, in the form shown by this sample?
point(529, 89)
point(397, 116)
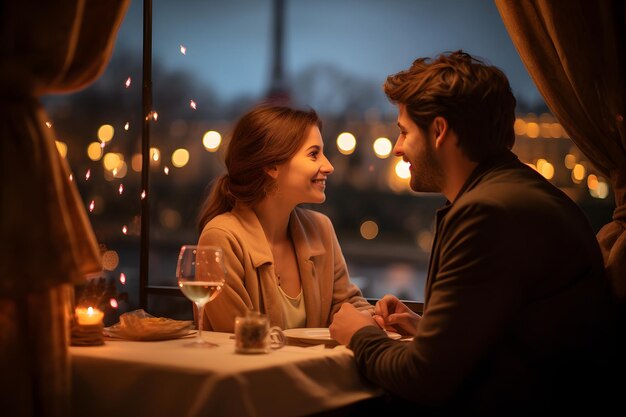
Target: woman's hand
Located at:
point(391, 314)
point(347, 321)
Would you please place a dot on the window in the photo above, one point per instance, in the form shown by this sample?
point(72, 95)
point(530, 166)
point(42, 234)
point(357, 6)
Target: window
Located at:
point(213, 60)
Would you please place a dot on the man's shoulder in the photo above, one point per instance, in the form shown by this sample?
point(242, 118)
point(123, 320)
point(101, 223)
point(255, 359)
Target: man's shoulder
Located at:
point(515, 184)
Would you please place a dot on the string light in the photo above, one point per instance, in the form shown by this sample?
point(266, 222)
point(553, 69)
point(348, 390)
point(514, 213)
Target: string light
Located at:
point(92, 205)
point(71, 177)
point(183, 50)
point(87, 175)
point(113, 302)
point(192, 104)
point(126, 126)
point(127, 83)
point(124, 229)
point(143, 194)
point(49, 125)
point(121, 189)
point(123, 278)
point(166, 170)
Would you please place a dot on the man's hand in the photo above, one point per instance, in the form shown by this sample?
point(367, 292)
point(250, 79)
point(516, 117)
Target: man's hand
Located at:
point(391, 314)
point(347, 321)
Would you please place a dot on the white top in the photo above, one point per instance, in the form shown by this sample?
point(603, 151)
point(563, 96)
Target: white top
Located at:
point(293, 310)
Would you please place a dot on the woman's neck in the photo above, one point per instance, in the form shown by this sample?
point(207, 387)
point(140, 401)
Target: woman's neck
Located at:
point(274, 218)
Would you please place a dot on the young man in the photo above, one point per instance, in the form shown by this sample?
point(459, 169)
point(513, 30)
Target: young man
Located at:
point(517, 314)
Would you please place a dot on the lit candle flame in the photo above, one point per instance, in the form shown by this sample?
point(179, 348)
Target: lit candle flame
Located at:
point(89, 316)
point(123, 278)
point(192, 104)
point(155, 115)
point(92, 205)
point(127, 82)
point(143, 194)
point(183, 50)
point(88, 174)
point(126, 126)
point(113, 302)
point(166, 170)
point(49, 125)
point(121, 189)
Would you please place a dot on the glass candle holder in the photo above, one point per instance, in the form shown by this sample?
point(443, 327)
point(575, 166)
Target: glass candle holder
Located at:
point(87, 327)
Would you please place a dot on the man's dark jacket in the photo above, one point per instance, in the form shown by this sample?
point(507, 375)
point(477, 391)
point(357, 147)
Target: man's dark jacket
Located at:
point(517, 315)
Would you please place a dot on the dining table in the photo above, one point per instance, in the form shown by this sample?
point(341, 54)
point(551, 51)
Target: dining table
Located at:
point(166, 378)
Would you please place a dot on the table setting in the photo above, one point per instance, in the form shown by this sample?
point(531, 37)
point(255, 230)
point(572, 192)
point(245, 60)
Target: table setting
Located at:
point(156, 366)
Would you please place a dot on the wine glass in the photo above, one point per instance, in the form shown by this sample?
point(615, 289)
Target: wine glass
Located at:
point(201, 274)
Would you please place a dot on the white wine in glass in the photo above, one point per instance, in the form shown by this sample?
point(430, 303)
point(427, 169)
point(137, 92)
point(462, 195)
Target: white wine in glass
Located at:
point(200, 272)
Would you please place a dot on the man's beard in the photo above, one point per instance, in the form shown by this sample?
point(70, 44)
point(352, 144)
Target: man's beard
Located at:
point(427, 174)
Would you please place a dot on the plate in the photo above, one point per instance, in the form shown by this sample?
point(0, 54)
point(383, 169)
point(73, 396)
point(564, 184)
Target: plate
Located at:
point(118, 332)
point(320, 335)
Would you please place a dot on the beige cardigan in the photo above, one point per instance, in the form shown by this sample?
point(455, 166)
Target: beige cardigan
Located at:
point(250, 277)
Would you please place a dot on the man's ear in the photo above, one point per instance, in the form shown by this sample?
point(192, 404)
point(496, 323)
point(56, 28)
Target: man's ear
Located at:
point(440, 130)
point(272, 171)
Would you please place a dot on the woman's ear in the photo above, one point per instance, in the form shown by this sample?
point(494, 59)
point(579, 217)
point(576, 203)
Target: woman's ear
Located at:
point(272, 171)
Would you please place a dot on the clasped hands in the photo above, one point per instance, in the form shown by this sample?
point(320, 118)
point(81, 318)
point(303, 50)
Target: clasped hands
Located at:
point(389, 314)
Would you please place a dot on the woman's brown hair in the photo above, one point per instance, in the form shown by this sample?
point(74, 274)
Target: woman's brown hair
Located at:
point(266, 136)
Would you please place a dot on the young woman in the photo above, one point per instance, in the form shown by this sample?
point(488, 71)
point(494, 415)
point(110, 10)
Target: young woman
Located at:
point(281, 260)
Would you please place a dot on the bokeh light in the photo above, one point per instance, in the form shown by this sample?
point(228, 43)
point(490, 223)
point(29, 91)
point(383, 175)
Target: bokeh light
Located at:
point(105, 133)
point(212, 140)
point(578, 173)
point(402, 169)
point(382, 147)
point(346, 143)
point(369, 229)
point(155, 156)
point(520, 127)
point(180, 157)
point(545, 168)
point(94, 151)
point(532, 130)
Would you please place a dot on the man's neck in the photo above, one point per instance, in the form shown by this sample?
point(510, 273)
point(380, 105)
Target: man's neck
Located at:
point(457, 173)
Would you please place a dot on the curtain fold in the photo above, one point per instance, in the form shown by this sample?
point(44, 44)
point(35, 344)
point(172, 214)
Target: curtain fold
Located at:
point(574, 51)
point(47, 239)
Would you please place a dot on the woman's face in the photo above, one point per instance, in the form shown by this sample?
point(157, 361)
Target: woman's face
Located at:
point(303, 178)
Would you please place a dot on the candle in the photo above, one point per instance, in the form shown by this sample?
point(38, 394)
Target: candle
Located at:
point(89, 316)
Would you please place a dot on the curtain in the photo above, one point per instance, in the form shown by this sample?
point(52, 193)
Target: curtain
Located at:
point(47, 241)
point(575, 53)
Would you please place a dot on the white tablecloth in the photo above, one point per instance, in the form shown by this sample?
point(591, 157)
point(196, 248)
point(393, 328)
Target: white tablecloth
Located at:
point(153, 379)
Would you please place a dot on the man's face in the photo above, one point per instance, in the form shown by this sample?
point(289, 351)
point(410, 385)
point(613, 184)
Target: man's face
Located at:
point(418, 148)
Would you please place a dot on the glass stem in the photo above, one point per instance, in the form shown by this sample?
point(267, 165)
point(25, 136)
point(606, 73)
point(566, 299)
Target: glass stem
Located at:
point(200, 317)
